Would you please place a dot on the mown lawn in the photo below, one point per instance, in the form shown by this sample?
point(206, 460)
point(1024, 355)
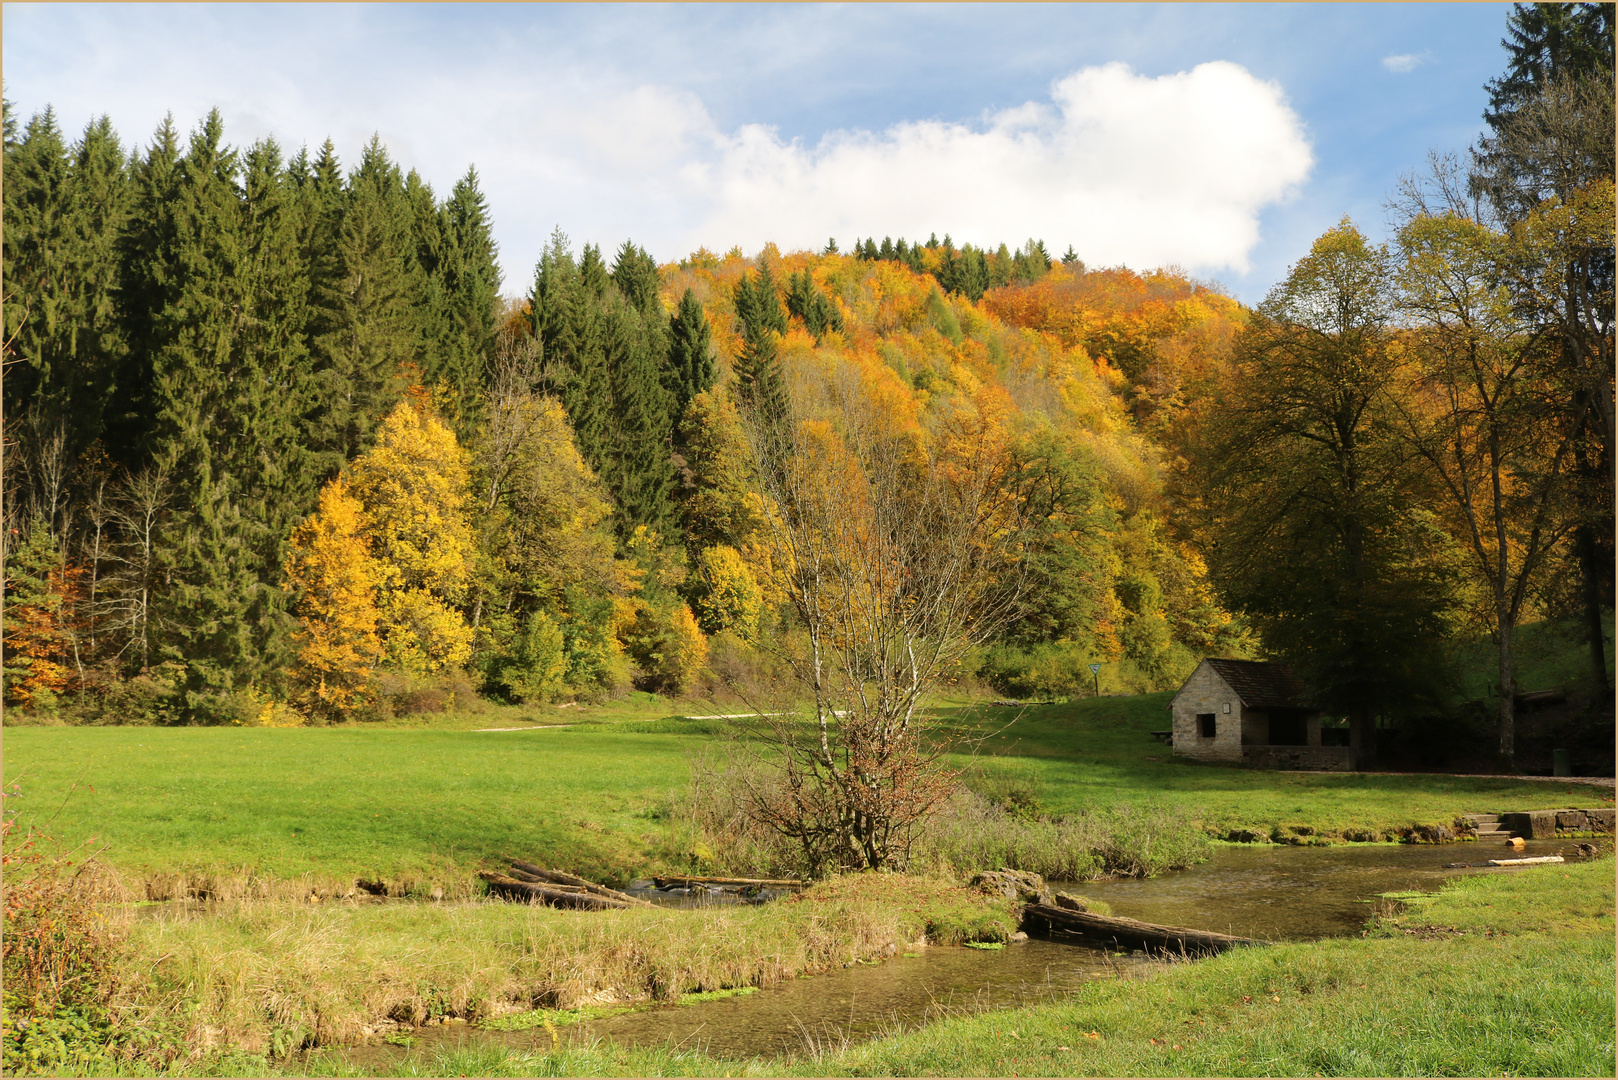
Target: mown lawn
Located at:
point(428, 803)
point(1099, 751)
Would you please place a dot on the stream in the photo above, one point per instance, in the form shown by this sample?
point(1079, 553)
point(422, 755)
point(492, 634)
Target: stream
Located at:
point(1277, 893)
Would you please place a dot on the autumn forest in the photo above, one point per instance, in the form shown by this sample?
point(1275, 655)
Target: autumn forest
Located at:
point(281, 447)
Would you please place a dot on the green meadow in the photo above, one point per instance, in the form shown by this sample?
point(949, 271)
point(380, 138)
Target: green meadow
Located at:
point(430, 804)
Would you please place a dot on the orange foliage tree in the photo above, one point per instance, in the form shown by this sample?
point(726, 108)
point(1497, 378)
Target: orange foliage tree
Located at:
point(330, 569)
point(43, 594)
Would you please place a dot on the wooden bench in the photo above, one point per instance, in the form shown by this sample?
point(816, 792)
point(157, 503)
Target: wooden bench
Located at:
point(1164, 736)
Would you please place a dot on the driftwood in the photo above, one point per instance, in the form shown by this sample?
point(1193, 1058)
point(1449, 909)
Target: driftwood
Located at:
point(1532, 861)
point(1110, 931)
point(529, 872)
point(577, 899)
point(740, 882)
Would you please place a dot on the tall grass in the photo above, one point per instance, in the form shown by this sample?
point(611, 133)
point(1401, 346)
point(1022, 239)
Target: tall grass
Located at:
point(995, 819)
point(271, 977)
point(973, 833)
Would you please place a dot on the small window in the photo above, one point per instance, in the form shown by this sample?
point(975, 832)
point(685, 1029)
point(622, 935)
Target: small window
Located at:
point(1205, 724)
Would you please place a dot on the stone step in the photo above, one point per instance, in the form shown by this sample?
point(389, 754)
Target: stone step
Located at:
point(1496, 834)
point(1479, 819)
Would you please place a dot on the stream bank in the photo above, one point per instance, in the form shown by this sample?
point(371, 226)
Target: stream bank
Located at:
point(1277, 893)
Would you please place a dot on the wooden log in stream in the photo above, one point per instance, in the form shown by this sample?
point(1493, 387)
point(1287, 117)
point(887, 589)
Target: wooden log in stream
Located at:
point(723, 882)
point(577, 899)
point(561, 879)
point(1113, 932)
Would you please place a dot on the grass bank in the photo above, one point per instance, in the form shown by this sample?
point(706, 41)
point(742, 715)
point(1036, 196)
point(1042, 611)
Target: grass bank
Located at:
point(269, 977)
point(1510, 974)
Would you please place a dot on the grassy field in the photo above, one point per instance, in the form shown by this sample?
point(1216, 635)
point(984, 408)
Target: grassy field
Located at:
point(424, 802)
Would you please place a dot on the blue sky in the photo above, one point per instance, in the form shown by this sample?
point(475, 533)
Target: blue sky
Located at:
point(1222, 138)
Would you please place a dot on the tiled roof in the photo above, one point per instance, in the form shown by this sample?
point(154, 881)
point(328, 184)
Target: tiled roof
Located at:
point(1263, 685)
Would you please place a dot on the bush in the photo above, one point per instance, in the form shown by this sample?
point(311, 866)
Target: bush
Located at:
point(410, 695)
point(992, 821)
point(59, 960)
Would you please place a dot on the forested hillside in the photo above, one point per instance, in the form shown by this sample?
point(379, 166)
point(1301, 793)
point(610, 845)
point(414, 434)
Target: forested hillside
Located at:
point(279, 450)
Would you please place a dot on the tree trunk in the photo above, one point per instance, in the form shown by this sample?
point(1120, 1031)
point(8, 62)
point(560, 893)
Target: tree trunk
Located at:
point(1362, 739)
point(1508, 695)
point(1584, 541)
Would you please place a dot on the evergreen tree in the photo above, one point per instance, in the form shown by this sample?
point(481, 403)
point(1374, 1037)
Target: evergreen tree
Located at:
point(366, 325)
point(566, 316)
point(808, 303)
point(217, 615)
point(759, 382)
point(469, 280)
point(691, 354)
point(640, 472)
point(65, 209)
point(1547, 42)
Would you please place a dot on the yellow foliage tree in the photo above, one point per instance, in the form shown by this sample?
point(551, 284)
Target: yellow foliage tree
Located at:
point(731, 598)
point(331, 570)
point(414, 485)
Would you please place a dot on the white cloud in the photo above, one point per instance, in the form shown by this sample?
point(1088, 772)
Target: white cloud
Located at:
point(1126, 167)
point(1129, 169)
point(1403, 63)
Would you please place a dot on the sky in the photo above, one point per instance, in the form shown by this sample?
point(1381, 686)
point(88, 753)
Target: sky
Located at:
point(1221, 139)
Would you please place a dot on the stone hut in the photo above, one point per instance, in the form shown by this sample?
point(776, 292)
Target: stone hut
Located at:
point(1252, 712)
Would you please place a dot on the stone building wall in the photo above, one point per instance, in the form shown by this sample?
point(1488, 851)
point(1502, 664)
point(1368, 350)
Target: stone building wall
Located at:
point(1206, 692)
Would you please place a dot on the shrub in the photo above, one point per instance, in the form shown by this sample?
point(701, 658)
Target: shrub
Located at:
point(59, 959)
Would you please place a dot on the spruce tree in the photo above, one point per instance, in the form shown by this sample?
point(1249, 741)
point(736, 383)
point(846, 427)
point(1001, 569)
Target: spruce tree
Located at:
point(691, 353)
point(566, 316)
point(470, 279)
point(640, 472)
point(759, 383)
point(366, 326)
point(216, 615)
point(65, 208)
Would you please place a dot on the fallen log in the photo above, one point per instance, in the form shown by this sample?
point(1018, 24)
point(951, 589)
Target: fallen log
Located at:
point(1113, 932)
point(561, 878)
point(502, 885)
point(1533, 861)
point(535, 879)
point(765, 883)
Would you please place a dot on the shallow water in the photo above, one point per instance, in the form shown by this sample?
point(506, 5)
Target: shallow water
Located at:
point(1276, 893)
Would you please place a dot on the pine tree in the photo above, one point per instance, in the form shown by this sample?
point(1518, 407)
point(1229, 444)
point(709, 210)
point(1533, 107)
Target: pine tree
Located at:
point(566, 317)
point(65, 208)
point(808, 303)
point(365, 333)
point(760, 386)
point(218, 614)
point(470, 279)
point(1546, 42)
point(639, 472)
point(691, 353)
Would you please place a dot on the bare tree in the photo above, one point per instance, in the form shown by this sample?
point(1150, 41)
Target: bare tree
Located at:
point(898, 550)
point(137, 510)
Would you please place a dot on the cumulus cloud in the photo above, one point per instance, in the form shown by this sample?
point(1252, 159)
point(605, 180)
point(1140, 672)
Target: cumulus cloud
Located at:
point(1128, 168)
point(1403, 63)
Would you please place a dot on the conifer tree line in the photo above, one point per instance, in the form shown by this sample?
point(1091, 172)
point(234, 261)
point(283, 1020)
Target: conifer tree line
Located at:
point(277, 447)
point(968, 271)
